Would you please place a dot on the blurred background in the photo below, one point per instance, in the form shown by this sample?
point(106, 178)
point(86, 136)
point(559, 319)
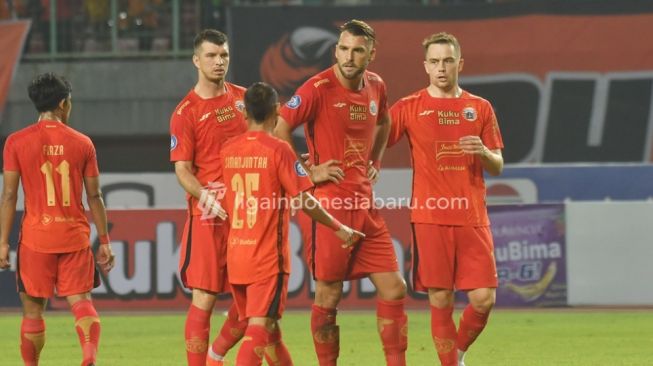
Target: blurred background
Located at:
point(571, 82)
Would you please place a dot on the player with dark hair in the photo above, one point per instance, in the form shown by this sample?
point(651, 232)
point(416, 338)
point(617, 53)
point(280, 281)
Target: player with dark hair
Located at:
point(454, 136)
point(54, 163)
point(210, 114)
point(346, 122)
point(262, 176)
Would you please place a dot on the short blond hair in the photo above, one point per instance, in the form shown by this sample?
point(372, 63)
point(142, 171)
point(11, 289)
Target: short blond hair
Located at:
point(442, 38)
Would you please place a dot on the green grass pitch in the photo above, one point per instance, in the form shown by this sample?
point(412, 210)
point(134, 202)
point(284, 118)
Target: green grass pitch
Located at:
point(512, 338)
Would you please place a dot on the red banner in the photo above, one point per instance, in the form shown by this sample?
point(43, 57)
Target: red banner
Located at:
point(11, 44)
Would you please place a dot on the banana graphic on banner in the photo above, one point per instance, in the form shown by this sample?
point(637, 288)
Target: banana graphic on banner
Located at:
point(533, 291)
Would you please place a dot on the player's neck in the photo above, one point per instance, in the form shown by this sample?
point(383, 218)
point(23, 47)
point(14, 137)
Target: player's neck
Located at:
point(267, 126)
point(435, 92)
point(51, 116)
point(207, 89)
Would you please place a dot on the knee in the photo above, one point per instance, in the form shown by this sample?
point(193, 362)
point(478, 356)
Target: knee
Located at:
point(483, 303)
point(394, 289)
point(203, 299)
point(328, 294)
point(440, 298)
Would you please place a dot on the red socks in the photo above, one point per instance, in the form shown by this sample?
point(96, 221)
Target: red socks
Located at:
point(326, 335)
point(197, 335)
point(276, 353)
point(253, 347)
point(87, 324)
point(471, 325)
point(391, 321)
point(232, 331)
point(444, 333)
point(32, 339)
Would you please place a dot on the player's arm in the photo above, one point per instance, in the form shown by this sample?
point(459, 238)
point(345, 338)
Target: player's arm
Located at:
point(491, 159)
point(190, 184)
point(7, 213)
point(187, 179)
point(381, 135)
point(328, 171)
point(314, 210)
point(105, 257)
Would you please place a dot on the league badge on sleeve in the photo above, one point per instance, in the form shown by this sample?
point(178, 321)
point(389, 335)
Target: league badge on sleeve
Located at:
point(469, 114)
point(173, 142)
point(373, 108)
point(299, 169)
point(294, 102)
point(240, 105)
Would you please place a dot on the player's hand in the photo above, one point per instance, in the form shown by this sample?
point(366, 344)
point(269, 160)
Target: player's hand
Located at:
point(349, 236)
point(210, 205)
point(4, 256)
point(105, 258)
point(472, 145)
point(306, 160)
point(372, 173)
point(327, 171)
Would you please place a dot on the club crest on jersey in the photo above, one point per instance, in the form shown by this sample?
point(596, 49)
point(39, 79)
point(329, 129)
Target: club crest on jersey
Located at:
point(294, 102)
point(469, 114)
point(240, 105)
point(373, 108)
point(299, 169)
point(173, 142)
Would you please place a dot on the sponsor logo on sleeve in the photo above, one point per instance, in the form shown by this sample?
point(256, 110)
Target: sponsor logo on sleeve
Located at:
point(299, 169)
point(173, 142)
point(294, 102)
point(469, 114)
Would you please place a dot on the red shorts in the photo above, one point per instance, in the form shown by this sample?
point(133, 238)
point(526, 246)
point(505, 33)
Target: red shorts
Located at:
point(448, 257)
point(329, 261)
point(71, 273)
point(203, 254)
point(265, 298)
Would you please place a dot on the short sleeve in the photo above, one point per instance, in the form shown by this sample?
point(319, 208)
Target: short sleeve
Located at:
point(302, 107)
point(294, 179)
point(491, 135)
point(397, 123)
point(10, 157)
point(383, 101)
point(91, 167)
point(182, 137)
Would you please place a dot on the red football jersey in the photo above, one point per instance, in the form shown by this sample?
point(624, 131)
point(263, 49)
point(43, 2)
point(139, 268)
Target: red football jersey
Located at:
point(261, 173)
point(52, 160)
point(199, 127)
point(448, 185)
point(339, 124)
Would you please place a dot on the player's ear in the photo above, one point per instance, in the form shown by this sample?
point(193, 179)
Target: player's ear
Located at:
point(372, 53)
point(196, 60)
point(460, 64)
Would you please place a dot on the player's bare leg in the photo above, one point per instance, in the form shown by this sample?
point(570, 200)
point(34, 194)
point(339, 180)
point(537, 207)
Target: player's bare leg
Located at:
point(197, 327)
point(32, 329)
point(474, 319)
point(391, 318)
point(443, 328)
point(326, 334)
point(87, 325)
